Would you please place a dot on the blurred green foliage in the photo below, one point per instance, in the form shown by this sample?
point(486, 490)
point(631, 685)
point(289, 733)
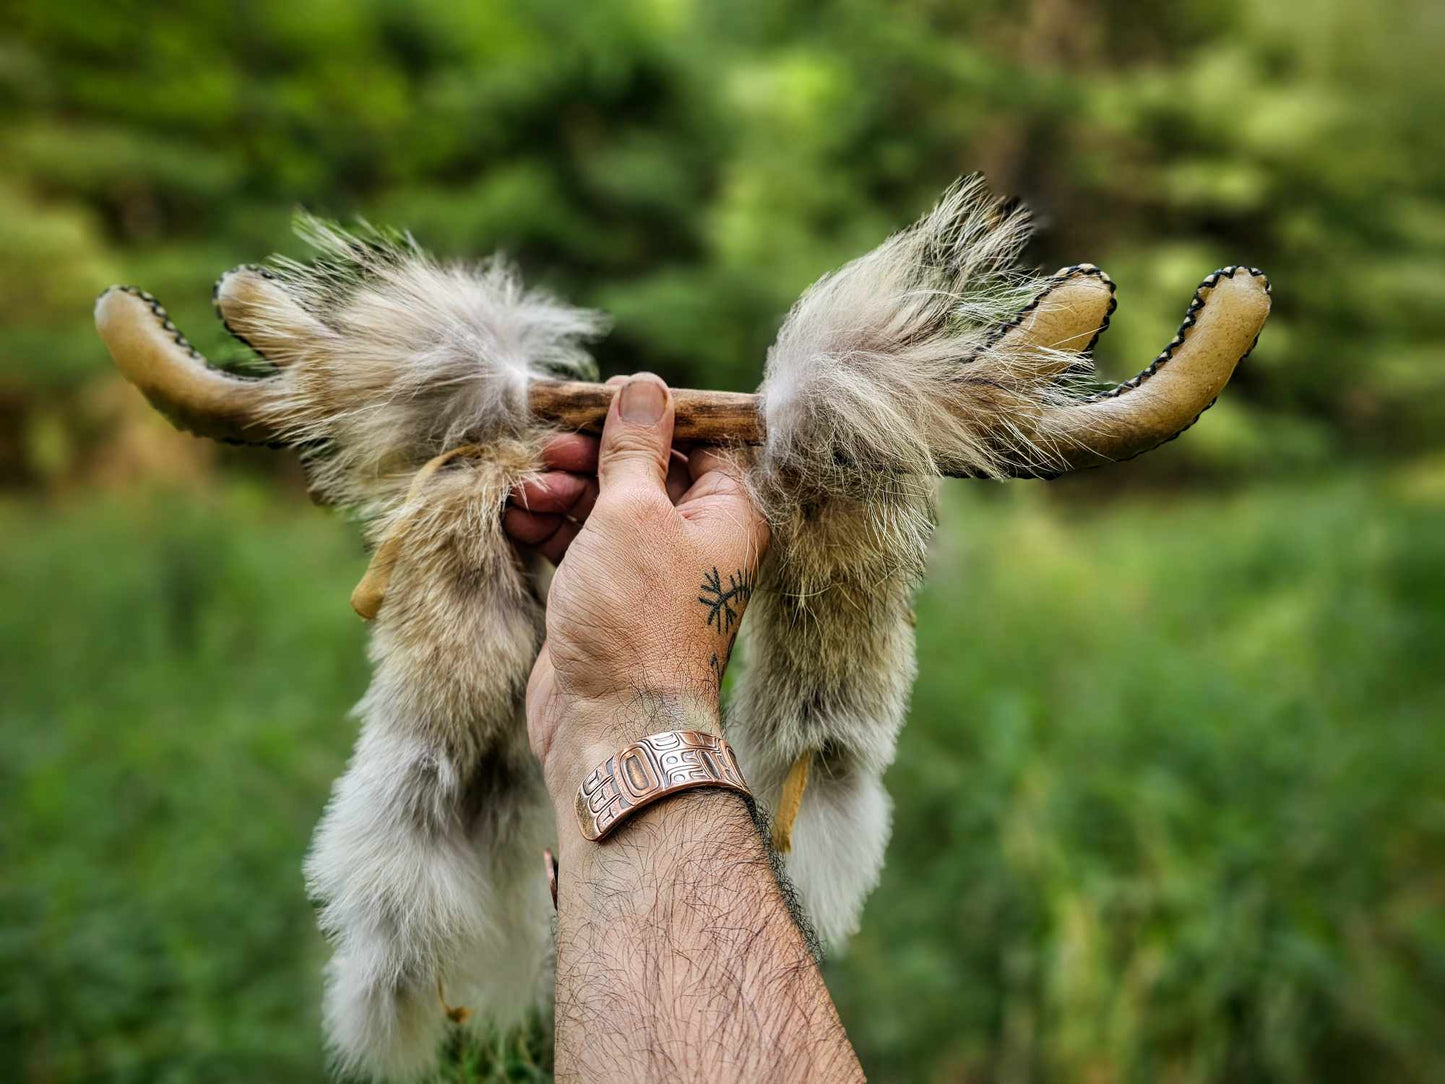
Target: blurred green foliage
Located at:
point(1169, 805)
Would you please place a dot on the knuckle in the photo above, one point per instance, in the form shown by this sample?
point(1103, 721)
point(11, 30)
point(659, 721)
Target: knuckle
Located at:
point(631, 443)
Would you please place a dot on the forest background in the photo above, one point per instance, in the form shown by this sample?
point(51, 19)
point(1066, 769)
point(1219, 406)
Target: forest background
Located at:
point(1171, 802)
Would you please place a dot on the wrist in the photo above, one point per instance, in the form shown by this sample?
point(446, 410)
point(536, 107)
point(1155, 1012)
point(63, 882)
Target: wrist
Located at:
point(587, 732)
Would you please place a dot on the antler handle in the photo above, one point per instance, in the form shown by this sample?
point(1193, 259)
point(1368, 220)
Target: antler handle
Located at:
point(703, 417)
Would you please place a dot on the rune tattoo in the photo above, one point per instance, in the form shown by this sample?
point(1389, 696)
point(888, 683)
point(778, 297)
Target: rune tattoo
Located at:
point(724, 602)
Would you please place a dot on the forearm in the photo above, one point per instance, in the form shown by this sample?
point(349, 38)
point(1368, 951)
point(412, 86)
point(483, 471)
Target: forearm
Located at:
point(677, 955)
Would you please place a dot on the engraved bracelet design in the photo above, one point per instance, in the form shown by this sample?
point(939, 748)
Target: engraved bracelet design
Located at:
point(652, 768)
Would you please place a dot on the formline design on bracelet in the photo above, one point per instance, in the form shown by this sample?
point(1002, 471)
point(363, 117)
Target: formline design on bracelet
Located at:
point(652, 768)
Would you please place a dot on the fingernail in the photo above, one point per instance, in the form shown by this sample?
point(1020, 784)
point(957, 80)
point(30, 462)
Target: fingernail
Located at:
point(643, 401)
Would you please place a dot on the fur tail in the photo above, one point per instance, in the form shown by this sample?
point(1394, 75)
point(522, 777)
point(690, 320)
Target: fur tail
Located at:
point(829, 666)
point(428, 908)
point(839, 835)
point(887, 372)
point(426, 863)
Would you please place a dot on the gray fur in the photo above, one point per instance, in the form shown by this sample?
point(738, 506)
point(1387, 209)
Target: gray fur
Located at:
point(405, 358)
point(426, 865)
point(427, 862)
point(886, 373)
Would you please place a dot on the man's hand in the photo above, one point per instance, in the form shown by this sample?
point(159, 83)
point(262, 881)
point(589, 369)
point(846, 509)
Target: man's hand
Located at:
point(677, 956)
point(661, 551)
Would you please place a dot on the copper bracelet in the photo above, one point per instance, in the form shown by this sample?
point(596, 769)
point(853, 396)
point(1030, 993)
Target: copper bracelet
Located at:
point(652, 768)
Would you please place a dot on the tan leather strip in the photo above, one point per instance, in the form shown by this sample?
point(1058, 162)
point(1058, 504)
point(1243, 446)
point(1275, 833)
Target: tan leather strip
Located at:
point(1219, 330)
point(789, 802)
point(256, 309)
point(160, 361)
point(369, 594)
point(457, 1014)
point(650, 769)
point(549, 860)
point(1069, 315)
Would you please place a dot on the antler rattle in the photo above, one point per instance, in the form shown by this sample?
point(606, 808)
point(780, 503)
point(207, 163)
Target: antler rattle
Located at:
point(1220, 327)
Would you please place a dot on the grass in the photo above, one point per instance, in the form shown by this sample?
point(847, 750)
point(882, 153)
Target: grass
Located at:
point(1170, 806)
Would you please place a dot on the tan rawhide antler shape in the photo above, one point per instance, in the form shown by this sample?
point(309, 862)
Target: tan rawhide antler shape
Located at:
point(419, 394)
point(1163, 400)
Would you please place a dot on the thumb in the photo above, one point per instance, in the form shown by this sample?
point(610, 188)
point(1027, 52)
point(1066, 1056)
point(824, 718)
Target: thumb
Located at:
point(636, 439)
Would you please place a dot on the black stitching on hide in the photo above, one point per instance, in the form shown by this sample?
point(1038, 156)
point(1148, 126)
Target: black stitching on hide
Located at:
point(1078, 270)
point(1166, 355)
point(168, 325)
point(265, 273)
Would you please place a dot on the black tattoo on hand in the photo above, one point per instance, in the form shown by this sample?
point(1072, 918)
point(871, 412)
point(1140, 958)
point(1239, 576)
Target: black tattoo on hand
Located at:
point(720, 600)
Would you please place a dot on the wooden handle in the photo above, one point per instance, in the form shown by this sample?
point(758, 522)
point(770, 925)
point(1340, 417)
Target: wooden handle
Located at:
point(703, 417)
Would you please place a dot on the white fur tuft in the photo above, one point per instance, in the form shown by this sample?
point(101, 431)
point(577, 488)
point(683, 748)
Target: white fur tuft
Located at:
point(894, 367)
point(426, 864)
point(887, 373)
point(413, 357)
